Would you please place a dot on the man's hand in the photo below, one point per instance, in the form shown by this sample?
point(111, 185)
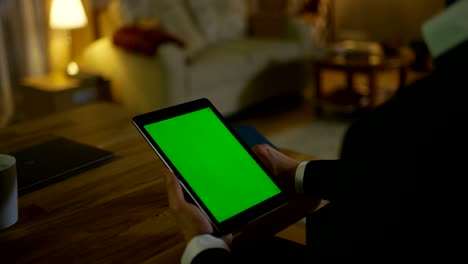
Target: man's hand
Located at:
point(282, 166)
point(190, 219)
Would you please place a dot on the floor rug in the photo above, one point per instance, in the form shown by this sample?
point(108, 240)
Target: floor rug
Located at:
point(321, 138)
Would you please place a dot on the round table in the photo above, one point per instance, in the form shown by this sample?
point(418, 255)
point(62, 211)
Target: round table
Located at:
point(350, 64)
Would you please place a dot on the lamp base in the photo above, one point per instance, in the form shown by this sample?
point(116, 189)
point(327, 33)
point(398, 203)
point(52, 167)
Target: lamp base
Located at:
point(60, 50)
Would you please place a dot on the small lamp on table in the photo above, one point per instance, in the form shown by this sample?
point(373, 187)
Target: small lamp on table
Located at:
point(65, 15)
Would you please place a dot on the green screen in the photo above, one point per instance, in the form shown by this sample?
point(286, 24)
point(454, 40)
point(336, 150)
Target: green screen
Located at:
point(213, 162)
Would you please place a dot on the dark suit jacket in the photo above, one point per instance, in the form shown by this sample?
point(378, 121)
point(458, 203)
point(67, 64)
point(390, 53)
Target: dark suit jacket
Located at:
point(396, 192)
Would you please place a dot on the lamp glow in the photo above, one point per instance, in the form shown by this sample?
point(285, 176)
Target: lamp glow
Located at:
point(73, 68)
point(67, 14)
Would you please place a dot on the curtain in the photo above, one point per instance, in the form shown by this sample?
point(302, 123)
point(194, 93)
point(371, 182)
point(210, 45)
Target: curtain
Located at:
point(6, 99)
point(23, 51)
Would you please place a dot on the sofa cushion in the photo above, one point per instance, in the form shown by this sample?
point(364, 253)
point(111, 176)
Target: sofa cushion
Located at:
point(216, 65)
point(263, 51)
point(240, 59)
point(220, 20)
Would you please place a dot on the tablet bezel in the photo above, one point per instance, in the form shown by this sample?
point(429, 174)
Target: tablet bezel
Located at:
point(235, 222)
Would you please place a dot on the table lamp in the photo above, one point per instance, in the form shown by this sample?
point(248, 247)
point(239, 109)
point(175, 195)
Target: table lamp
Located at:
point(66, 15)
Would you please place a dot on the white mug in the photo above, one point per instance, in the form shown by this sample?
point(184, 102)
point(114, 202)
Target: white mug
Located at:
point(8, 191)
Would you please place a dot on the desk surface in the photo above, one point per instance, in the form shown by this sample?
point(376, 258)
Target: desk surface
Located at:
point(115, 213)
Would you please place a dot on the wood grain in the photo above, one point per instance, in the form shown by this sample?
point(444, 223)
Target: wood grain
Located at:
point(114, 213)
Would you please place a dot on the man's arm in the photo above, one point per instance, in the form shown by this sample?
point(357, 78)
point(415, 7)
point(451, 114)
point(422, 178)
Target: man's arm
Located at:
point(336, 180)
point(377, 151)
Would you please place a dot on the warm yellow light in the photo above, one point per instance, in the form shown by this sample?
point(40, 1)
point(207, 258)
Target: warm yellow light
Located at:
point(73, 68)
point(67, 14)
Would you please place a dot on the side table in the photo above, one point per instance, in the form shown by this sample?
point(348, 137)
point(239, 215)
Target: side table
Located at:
point(349, 64)
point(56, 92)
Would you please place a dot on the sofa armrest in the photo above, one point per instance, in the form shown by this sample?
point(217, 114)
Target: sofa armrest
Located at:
point(141, 83)
point(173, 61)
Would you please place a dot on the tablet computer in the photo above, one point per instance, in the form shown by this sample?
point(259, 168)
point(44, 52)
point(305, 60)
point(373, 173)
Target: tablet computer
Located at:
point(215, 167)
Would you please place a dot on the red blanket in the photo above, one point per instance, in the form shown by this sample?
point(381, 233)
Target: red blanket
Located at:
point(143, 40)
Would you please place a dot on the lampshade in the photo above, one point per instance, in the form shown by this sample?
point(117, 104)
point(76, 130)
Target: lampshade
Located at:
point(67, 14)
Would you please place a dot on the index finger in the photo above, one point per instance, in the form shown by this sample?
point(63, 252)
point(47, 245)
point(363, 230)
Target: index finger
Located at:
point(174, 190)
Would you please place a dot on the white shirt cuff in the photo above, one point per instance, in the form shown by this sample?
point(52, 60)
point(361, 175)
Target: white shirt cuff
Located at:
point(299, 180)
point(200, 243)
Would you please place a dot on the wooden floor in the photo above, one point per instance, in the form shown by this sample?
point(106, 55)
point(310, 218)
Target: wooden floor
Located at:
point(284, 113)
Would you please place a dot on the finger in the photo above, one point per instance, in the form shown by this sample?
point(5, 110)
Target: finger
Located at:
point(262, 152)
point(174, 190)
point(259, 148)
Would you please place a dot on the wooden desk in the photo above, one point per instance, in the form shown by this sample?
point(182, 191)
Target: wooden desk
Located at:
point(115, 213)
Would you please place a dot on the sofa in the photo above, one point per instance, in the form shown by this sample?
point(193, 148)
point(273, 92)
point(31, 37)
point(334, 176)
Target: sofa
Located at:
point(220, 60)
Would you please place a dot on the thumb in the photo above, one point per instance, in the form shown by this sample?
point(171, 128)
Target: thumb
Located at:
point(227, 239)
point(260, 148)
point(263, 152)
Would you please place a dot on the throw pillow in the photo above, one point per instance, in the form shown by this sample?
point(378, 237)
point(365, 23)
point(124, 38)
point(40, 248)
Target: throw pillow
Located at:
point(177, 21)
point(134, 10)
point(206, 18)
point(233, 14)
point(220, 19)
point(142, 40)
